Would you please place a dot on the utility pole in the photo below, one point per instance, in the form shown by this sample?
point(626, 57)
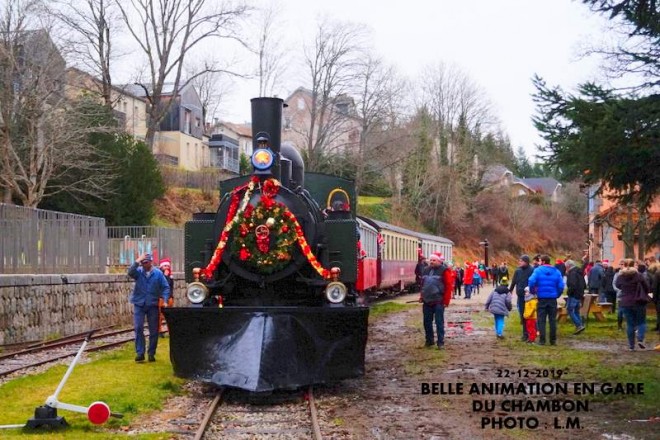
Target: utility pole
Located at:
point(485, 245)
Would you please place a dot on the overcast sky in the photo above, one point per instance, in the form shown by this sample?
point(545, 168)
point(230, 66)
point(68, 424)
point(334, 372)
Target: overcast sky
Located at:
point(500, 44)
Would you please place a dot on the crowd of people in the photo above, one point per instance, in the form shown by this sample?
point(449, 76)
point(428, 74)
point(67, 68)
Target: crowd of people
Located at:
point(538, 286)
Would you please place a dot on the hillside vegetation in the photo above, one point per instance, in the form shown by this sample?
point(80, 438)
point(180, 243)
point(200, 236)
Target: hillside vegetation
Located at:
point(512, 226)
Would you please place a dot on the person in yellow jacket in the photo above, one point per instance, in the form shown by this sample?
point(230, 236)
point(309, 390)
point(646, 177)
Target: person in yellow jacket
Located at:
point(529, 315)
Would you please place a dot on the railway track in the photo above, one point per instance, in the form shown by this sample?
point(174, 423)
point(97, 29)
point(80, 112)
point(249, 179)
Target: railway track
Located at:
point(43, 353)
point(286, 416)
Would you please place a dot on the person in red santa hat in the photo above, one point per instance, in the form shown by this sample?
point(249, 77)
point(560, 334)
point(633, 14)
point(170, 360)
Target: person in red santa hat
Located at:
point(166, 267)
point(435, 297)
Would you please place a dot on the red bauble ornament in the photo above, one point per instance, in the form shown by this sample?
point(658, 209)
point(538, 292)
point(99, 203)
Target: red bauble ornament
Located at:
point(244, 254)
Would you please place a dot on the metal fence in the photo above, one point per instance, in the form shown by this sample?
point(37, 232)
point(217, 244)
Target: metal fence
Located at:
point(44, 242)
point(40, 241)
point(125, 243)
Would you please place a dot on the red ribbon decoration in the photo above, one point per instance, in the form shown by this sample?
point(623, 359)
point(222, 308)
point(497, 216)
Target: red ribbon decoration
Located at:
point(268, 191)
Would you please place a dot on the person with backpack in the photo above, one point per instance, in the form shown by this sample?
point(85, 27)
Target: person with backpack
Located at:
point(476, 280)
point(435, 297)
point(575, 285)
point(499, 304)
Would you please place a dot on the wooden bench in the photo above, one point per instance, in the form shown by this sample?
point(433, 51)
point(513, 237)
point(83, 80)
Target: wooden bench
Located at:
point(562, 311)
point(605, 307)
point(589, 305)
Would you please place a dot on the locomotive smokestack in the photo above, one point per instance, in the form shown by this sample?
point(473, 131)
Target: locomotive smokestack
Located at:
point(267, 117)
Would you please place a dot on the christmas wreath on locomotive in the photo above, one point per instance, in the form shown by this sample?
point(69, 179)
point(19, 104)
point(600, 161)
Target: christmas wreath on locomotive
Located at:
point(272, 276)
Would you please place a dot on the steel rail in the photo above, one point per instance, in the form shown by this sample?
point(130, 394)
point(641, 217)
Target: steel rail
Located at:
point(207, 417)
point(316, 429)
point(56, 343)
point(63, 356)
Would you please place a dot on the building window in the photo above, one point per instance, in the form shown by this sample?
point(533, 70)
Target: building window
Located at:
point(301, 104)
point(186, 121)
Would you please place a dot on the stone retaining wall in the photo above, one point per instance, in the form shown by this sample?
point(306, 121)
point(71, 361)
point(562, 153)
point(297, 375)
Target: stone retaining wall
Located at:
point(37, 307)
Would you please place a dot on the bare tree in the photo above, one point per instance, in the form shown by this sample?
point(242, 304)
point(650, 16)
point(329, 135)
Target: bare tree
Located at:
point(90, 27)
point(460, 114)
point(212, 88)
point(43, 145)
point(518, 211)
point(166, 32)
point(268, 48)
point(331, 65)
point(453, 100)
point(378, 107)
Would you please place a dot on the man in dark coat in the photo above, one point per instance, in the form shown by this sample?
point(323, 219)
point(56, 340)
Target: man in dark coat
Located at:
point(435, 295)
point(575, 288)
point(595, 280)
point(608, 284)
point(519, 281)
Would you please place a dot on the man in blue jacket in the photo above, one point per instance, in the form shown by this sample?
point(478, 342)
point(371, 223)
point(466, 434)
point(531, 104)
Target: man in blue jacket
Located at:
point(150, 284)
point(548, 284)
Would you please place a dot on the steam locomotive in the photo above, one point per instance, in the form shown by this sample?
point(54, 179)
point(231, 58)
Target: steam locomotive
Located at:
point(272, 276)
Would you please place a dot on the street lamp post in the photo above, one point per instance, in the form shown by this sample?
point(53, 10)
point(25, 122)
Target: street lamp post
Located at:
point(485, 245)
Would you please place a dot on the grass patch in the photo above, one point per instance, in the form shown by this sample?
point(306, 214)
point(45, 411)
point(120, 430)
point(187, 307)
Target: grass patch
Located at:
point(610, 363)
point(371, 200)
point(377, 209)
point(384, 308)
point(114, 378)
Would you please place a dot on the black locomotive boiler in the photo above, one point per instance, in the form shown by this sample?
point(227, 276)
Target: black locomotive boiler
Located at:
point(272, 276)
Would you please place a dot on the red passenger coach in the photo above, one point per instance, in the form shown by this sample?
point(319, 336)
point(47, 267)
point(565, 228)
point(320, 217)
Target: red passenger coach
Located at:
point(390, 254)
point(396, 255)
point(433, 243)
point(367, 277)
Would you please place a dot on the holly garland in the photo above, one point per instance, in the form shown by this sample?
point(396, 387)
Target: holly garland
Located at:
point(233, 214)
point(304, 247)
point(263, 235)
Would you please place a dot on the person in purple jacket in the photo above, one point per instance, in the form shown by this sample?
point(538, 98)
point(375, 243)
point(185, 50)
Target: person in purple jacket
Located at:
point(548, 284)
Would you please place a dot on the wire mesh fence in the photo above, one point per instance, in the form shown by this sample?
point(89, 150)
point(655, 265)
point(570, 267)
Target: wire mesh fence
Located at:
point(38, 241)
point(41, 241)
point(125, 243)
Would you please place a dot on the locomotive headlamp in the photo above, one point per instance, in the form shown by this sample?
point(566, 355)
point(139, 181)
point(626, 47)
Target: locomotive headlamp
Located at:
point(262, 159)
point(197, 292)
point(335, 292)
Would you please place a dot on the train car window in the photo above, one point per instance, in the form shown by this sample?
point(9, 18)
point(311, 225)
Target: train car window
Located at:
point(397, 249)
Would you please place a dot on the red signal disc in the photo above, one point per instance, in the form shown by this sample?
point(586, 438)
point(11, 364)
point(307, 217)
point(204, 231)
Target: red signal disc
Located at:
point(98, 413)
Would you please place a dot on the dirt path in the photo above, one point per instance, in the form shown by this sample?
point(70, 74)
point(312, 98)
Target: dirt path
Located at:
point(388, 402)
